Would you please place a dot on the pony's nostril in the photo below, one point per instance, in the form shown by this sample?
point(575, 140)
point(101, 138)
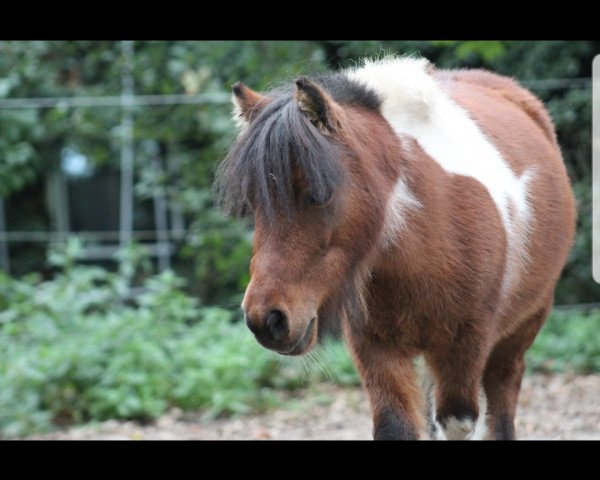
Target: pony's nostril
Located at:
point(252, 324)
point(277, 324)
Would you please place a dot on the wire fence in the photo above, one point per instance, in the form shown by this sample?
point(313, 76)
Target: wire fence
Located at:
point(128, 100)
point(214, 97)
point(113, 101)
point(106, 235)
point(133, 100)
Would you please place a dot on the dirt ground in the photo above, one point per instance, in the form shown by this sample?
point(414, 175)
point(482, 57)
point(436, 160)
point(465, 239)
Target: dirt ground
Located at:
point(554, 407)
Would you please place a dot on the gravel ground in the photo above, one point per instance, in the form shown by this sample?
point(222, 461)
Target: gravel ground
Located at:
point(557, 407)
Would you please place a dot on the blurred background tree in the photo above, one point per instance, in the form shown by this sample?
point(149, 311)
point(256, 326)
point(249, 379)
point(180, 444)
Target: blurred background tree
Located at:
point(178, 146)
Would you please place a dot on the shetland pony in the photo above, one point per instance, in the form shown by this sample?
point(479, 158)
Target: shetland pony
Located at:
point(427, 211)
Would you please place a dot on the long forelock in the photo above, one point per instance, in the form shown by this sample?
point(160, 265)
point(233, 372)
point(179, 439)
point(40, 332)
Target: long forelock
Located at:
point(259, 168)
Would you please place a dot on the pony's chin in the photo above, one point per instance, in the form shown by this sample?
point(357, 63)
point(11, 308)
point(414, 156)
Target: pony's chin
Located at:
point(307, 342)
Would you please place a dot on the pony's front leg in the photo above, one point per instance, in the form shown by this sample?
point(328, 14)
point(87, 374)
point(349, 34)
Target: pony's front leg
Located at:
point(391, 384)
point(457, 369)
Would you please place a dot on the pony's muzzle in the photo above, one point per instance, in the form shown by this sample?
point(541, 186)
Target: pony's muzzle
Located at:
point(272, 329)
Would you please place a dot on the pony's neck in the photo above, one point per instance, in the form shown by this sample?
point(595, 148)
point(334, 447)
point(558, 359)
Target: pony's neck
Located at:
point(408, 185)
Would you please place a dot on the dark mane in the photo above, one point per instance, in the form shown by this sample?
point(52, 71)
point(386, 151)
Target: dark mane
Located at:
point(349, 92)
point(259, 167)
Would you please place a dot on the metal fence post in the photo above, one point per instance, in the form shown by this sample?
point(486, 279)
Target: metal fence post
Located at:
point(4, 259)
point(126, 192)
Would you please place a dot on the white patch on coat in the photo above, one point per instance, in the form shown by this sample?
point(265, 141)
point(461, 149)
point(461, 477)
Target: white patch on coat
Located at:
point(464, 429)
point(456, 429)
point(415, 105)
point(401, 200)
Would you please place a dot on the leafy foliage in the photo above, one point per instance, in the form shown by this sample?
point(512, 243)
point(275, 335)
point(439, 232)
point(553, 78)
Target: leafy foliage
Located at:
point(568, 341)
point(79, 347)
point(178, 146)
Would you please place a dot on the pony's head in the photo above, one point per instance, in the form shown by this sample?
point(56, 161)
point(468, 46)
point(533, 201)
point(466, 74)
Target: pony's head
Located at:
point(310, 166)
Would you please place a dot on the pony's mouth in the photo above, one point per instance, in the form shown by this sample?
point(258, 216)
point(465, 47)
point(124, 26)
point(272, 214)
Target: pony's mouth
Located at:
point(306, 342)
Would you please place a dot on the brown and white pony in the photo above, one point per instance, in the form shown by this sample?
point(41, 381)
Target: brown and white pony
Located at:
point(428, 211)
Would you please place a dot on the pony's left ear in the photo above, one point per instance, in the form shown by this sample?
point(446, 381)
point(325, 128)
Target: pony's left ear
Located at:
point(247, 103)
point(317, 105)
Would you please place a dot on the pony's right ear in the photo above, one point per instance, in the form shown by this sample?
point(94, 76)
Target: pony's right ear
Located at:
point(246, 103)
point(317, 105)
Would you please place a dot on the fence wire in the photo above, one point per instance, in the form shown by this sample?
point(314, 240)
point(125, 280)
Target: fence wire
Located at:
point(217, 98)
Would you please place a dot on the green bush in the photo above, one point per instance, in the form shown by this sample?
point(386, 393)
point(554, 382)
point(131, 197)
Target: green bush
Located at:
point(81, 347)
point(77, 348)
point(569, 341)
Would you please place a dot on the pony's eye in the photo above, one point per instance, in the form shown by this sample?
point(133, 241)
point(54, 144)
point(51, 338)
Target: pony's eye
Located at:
point(313, 200)
point(246, 210)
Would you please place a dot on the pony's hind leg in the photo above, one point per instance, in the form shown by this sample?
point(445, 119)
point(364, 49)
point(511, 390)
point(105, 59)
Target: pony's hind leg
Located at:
point(503, 374)
point(457, 370)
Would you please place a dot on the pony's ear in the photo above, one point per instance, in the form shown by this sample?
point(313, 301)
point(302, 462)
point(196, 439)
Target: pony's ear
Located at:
point(317, 105)
point(246, 103)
